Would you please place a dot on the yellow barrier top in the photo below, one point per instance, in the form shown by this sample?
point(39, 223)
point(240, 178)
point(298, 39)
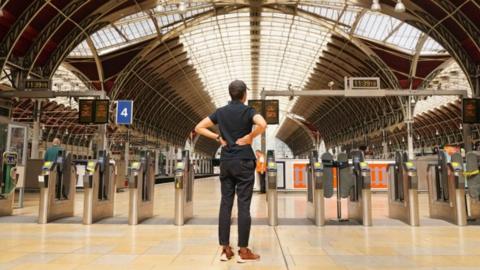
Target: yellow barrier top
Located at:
point(471, 173)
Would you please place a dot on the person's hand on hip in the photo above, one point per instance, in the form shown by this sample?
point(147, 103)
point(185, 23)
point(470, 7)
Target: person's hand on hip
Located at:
point(245, 140)
point(223, 142)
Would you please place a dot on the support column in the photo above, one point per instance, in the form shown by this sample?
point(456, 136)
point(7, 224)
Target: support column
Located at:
point(101, 139)
point(90, 149)
point(409, 121)
point(157, 159)
point(36, 129)
point(127, 156)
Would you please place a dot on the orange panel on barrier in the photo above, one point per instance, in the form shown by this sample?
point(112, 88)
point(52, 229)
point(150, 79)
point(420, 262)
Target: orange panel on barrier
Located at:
point(299, 175)
point(379, 175)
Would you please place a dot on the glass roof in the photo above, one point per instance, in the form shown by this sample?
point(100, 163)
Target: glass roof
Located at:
point(372, 25)
point(375, 26)
point(220, 48)
point(138, 27)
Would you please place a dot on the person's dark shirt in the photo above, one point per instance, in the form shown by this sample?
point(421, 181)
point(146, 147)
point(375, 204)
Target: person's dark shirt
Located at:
point(234, 121)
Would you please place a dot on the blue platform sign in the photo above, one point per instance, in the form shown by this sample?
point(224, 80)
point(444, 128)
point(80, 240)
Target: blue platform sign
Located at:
point(124, 112)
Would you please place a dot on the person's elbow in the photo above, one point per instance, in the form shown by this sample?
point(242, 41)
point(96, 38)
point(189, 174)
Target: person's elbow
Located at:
point(263, 125)
point(198, 128)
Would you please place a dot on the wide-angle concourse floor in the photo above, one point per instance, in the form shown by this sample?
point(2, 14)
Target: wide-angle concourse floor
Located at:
point(294, 244)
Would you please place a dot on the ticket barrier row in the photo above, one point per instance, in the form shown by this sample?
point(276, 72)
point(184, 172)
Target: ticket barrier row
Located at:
point(57, 190)
point(454, 190)
point(353, 183)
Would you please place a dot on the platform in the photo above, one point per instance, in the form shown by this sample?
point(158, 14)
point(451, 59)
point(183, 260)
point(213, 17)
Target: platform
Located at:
point(156, 244)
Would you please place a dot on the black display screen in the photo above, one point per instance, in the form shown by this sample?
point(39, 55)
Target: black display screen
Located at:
point(94, 111)
point(101, 111)
point(85, 111)
point(470, 111)
point(269, 110)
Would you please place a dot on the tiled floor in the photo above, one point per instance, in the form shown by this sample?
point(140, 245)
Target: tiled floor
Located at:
point(156, 244)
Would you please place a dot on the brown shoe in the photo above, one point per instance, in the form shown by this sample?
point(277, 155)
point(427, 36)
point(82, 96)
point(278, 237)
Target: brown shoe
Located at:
point(246, 255)
point(227, 254)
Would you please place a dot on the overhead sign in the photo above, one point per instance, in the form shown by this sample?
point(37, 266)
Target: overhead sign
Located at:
point(124, 113)
point(470, 111)
point(355, 83)
point(94, 111)
point(268, 109)
point(38, 84)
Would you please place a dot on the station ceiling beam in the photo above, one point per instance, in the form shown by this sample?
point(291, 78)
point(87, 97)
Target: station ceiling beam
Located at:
point(50, 94)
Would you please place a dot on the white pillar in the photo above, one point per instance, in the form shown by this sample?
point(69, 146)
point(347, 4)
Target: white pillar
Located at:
point(36, 129)
point(127, 156)
point(385, 149)
point(157, 158)
point(409, 129)
point(90, 149)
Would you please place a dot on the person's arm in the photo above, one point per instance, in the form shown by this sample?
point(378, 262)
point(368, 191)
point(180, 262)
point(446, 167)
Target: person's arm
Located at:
point(260, 126)
point(202, 129)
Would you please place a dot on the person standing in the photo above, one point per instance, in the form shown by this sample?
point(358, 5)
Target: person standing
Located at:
point(237, 165)
point(52, 152)
point(261, 168)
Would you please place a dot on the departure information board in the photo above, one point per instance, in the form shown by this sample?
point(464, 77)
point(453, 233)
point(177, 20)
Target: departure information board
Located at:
point(470, 111)
point(101, 111)
point(94, 111)
point(85, 111)
point(269, 110)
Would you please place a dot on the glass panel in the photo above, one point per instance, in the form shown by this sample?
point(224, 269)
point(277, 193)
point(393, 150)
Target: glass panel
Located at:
point(17, 139)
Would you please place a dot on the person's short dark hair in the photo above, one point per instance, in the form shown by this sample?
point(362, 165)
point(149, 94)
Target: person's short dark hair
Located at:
point(237, 90)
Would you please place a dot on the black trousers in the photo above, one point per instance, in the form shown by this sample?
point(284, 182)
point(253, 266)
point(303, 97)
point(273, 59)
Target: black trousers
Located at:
point(262, 182)
point(236, 176)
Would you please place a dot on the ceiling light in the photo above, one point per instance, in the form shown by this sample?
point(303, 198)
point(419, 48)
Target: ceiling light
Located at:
point(399, 7)
point(436, 132)
point(182, 6)
point(376, 6)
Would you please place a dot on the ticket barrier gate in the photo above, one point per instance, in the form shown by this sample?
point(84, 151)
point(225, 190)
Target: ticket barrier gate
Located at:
point(446, 189)
point(358, 188)
point(57, 189)
point(7, 183)
point(353, 182)
point(272, 196)
point(315, 193)
point(403, 190)
point(184, 176)
point(472, 177)
point(141, 184)
point(99, 189)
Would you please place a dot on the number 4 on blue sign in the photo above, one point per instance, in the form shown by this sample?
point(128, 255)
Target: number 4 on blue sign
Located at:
point(124, 112)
